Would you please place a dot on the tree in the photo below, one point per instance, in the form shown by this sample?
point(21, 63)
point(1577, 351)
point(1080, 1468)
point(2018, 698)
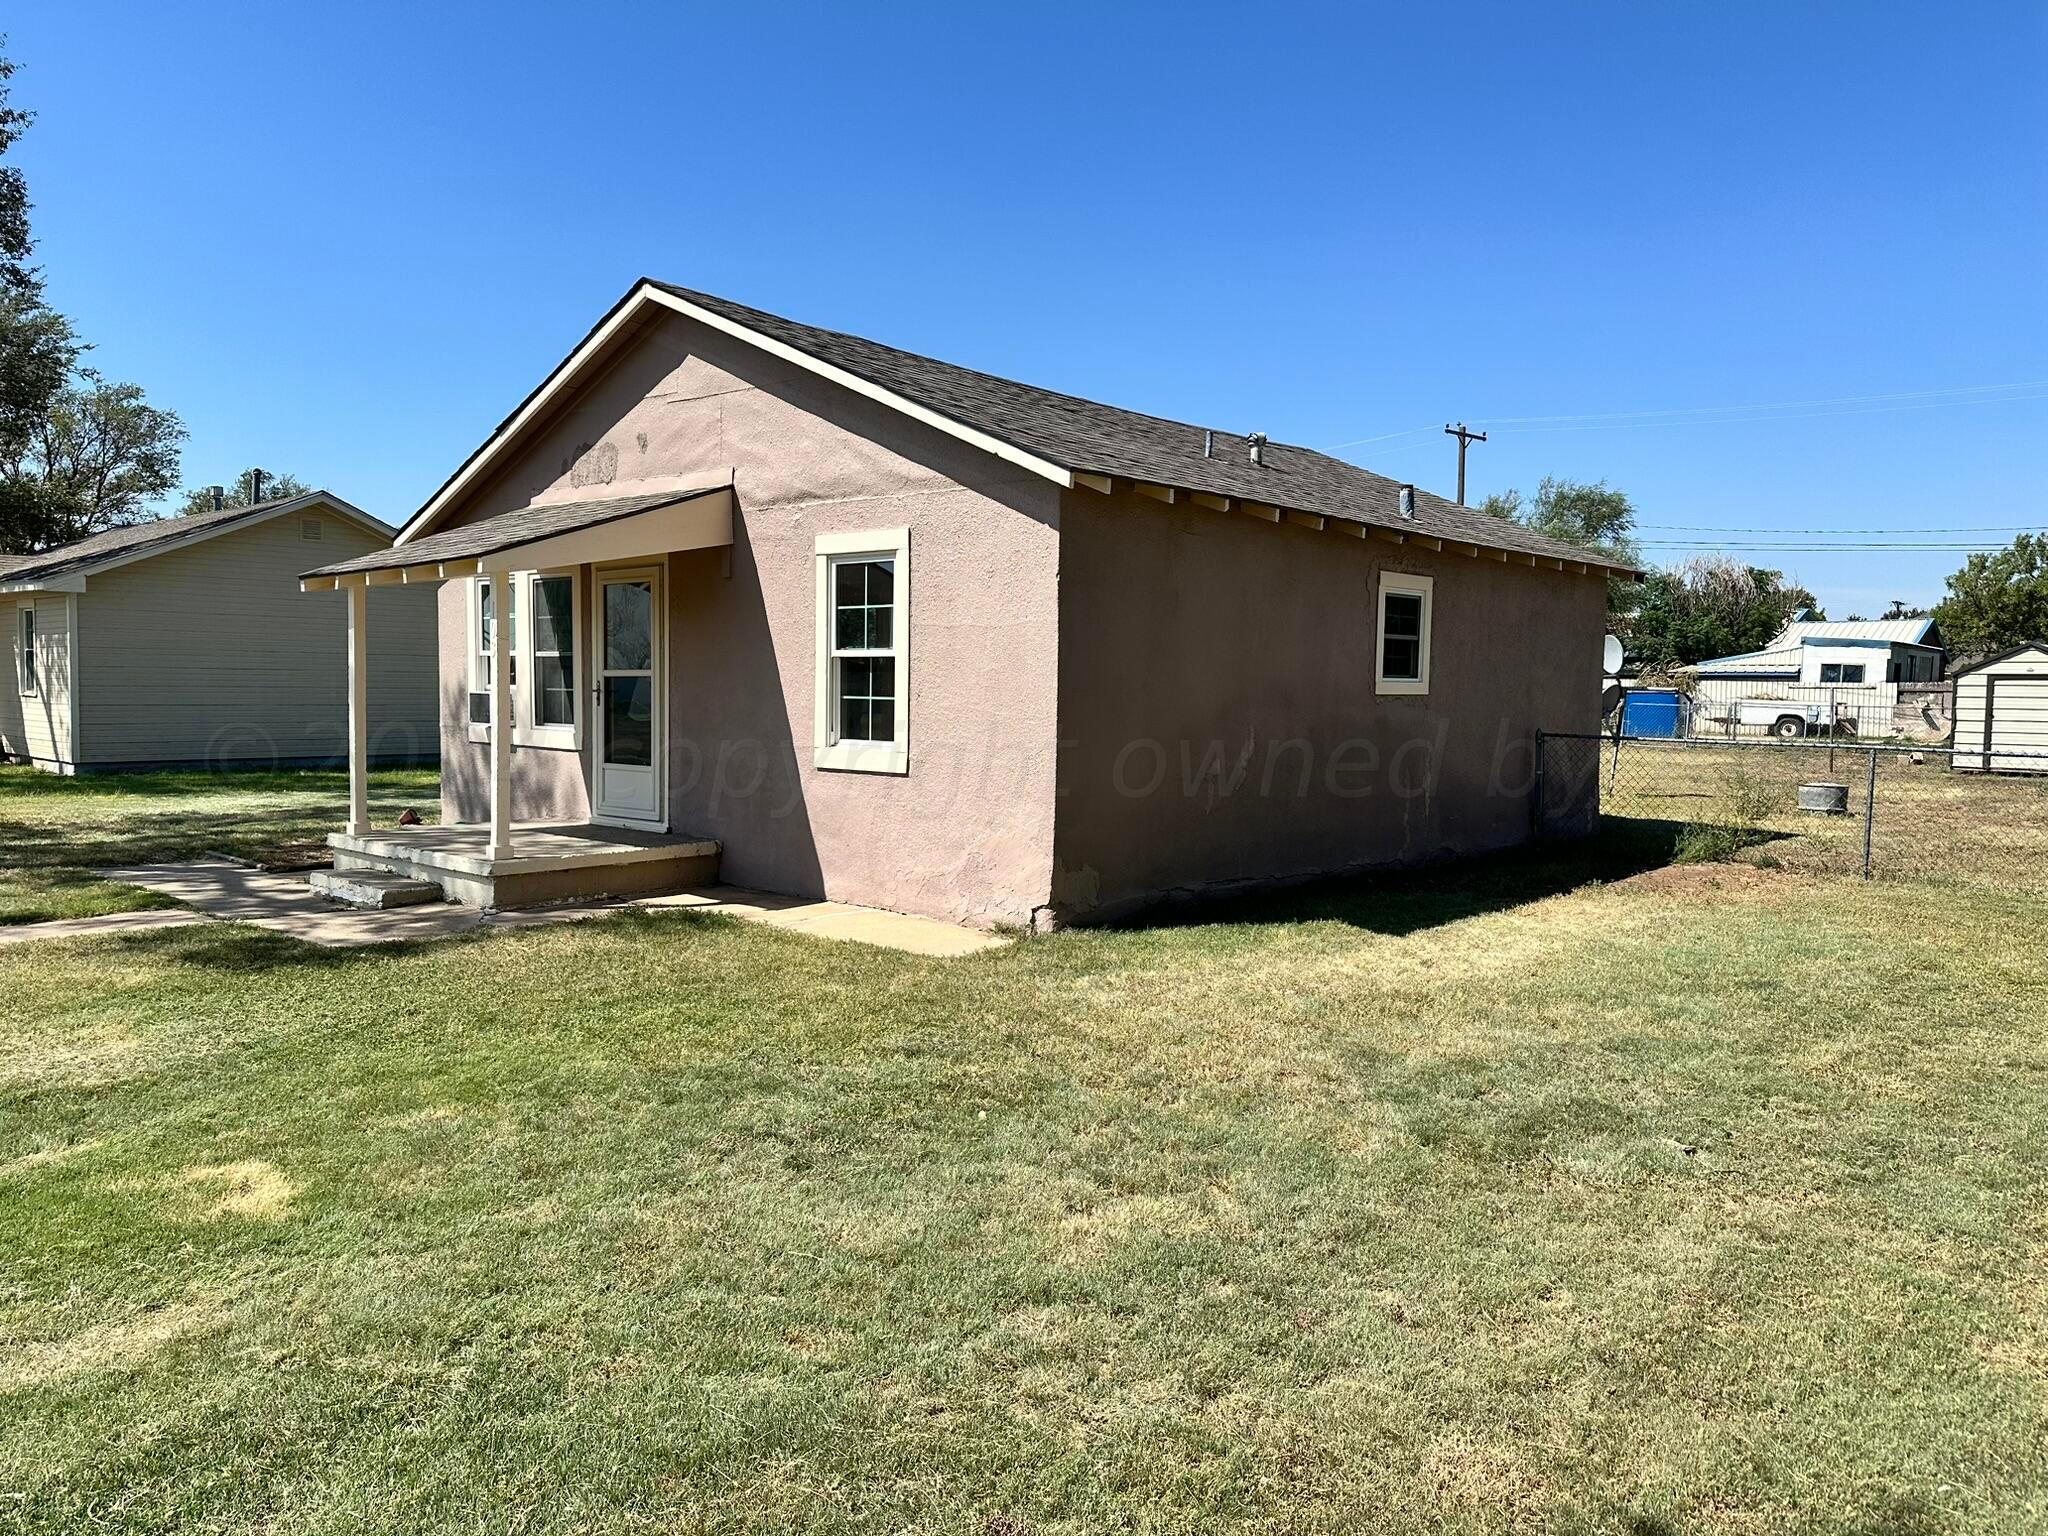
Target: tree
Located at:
point(95, 461)
point(242, 492)
point(1574, 511)
point(17, 277)
point(1999, 600)
point(1710, 606)
point(37, 350)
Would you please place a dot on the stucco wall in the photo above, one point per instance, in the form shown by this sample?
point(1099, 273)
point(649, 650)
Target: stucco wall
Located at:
point(212, 654)
point(967, 832)
point(1218, 721)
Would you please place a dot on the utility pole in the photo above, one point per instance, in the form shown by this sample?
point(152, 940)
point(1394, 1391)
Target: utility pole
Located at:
point(1466, 438)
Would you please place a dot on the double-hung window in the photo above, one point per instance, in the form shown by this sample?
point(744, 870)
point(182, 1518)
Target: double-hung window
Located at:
point(863, 652)
point(29, 685)
point(1401, 640)
point(540, 656)
point(483, 617)
point(554, 654)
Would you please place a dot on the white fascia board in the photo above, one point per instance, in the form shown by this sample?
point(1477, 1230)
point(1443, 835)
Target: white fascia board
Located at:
point(646, 296)
point(75, 582)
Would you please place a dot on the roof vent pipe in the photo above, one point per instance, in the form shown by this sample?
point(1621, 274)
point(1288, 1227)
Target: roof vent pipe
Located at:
point(220, 496)
point(1208, 445)
point(255, 486)
point(1256, 443)
point(1408, 502)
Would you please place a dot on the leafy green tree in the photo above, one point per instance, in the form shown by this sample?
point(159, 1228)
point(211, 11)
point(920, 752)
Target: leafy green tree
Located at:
point(37, 349)
point(98, 457)
point(243, 492)
point(1708, 607)
point(1593, 515)
point(16, 246)
point(1999, 600)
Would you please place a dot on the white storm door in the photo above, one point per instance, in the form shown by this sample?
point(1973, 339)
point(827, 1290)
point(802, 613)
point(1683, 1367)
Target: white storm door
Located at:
point(629, 757)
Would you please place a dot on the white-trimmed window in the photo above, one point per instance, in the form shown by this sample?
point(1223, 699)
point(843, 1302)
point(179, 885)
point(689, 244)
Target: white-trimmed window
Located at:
point(547, 704)
point(483, 604)
point(863, 651)
point(30, 686)
point(1401, 650)
point(551, 638)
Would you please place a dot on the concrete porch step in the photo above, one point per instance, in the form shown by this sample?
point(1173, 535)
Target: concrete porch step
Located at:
point(373, 890)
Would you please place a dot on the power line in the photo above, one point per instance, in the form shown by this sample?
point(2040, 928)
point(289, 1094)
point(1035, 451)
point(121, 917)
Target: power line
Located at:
point(1808, 548)
point(1706, 528)
point(1759, 411)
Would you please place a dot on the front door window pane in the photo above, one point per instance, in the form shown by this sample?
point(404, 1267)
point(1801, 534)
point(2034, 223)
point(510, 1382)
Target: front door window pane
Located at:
point(629, 626)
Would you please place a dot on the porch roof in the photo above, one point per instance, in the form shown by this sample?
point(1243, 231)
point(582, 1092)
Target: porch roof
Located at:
point(558, 533)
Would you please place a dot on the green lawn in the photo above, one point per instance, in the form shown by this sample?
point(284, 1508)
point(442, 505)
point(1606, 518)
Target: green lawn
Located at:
point(1712, 1199)
point(55, 832)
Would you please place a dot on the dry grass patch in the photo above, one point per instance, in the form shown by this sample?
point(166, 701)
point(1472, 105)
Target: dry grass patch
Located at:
point(252, 1189)
point(124, 1344)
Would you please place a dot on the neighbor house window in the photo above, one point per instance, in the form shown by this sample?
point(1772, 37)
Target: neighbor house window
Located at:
point(28, 652)
point(1841, 672)
point(863, 652)
point(1401, 664)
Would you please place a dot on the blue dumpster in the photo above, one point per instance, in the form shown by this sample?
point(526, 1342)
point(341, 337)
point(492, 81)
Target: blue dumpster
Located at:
point(1652, 712)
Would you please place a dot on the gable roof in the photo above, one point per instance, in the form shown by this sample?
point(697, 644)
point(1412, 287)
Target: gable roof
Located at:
point(1878, 631)
point(2006, 655)
point(142, 541)
point(1063, 438)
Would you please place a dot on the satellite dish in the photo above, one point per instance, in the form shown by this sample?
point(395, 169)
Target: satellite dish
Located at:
point(1610, 656)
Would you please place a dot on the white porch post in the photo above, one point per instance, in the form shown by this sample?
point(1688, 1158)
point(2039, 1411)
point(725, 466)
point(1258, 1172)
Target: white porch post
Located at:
point(501, 717)
point(359, 709)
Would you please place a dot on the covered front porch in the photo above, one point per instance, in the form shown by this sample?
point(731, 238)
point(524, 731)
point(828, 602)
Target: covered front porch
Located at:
point(592, 703)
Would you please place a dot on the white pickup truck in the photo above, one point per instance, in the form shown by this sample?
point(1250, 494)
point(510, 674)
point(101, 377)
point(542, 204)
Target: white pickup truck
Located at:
point(1789, 717)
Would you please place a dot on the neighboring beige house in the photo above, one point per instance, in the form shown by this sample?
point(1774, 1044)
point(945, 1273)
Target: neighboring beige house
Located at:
point(185, 643)
point(846, 621)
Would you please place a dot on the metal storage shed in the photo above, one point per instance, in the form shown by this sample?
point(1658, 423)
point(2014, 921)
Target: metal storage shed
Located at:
point(2002, 712)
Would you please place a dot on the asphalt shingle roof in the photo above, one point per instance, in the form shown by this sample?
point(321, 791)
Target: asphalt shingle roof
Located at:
point(509, 530)
point(1088, 437)
point(137, 539)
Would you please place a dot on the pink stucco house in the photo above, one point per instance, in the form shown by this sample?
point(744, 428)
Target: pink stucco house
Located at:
point(730, 596)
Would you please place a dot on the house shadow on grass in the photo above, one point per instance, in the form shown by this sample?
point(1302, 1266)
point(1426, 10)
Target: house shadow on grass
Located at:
point(1402, 901)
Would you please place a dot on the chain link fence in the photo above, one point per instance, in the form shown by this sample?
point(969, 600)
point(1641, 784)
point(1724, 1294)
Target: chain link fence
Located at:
point(1825, 806)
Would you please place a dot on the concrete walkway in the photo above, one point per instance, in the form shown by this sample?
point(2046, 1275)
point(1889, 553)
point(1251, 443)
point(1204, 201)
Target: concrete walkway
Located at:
point(86, 927)
point(236, 893)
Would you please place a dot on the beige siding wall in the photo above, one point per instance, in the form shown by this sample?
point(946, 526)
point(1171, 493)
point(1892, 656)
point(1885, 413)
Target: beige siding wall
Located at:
point(38, 727)
point(967, 832)
point(2019, 715)
point(211, 654)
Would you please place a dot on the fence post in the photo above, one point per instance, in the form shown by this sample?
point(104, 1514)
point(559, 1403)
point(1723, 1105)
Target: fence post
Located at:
point(1869, 810)
point(1536, 792)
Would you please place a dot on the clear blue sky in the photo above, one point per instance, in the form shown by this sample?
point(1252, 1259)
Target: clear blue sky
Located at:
point(343, 241)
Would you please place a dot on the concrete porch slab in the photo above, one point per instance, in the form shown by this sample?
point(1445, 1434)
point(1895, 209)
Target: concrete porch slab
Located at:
point(836, 920)
point(550, 861)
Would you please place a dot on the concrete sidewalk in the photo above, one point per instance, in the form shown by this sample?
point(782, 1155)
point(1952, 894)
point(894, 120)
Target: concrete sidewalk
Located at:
point(236, 893)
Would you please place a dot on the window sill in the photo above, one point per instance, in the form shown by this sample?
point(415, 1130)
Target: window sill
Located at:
point(862, 757)
point(552, 739)
point(1399, 689)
